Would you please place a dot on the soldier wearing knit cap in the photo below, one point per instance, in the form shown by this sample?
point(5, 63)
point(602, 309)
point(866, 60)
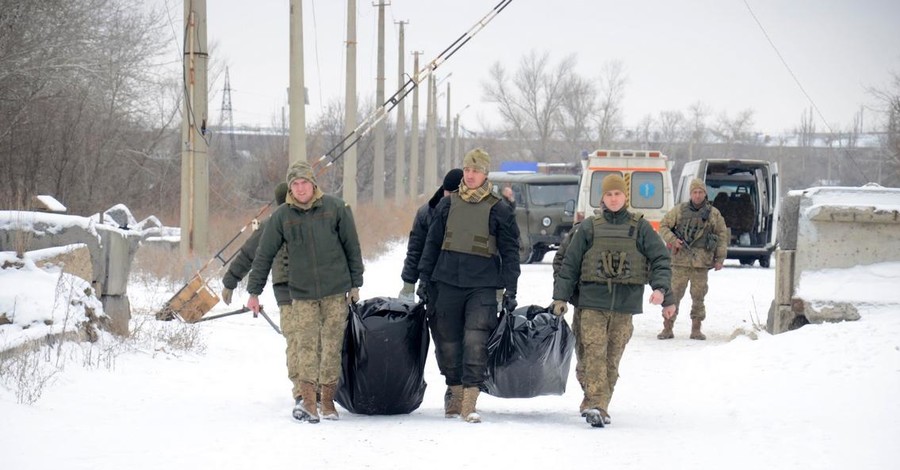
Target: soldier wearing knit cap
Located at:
point(609, 259)
point(471, 251)
point(696, 233)
point(324, 274)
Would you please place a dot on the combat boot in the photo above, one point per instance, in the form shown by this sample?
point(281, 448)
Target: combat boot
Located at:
point(328, 409)
point(306, 410)
point(596, 417)
point(695, 329)
point(453, 404)
point(666, 332)
point(470, 397)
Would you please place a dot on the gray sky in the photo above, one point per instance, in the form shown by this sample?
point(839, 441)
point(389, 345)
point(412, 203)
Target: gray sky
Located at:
point(675, 53)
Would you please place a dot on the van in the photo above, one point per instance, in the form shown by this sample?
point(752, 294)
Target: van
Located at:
point(648, 181)
point(545, 207)
point(746, 192)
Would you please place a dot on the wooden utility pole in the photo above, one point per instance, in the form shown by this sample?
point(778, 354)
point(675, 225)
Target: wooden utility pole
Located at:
point(378, 164)
point(400, 158)
point(194, 153)
point(297, 92)
point(448, 155)
point(414, 134)
point(350, 169)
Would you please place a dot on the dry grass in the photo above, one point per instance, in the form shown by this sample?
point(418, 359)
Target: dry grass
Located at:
point(380, 225)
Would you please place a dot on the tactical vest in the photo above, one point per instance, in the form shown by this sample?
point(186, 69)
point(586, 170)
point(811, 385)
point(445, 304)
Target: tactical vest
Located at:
point(468, 227)
point(613, 256)
point(692, 223)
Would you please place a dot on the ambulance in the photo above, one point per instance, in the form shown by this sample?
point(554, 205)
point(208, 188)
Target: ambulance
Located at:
point(648, 182)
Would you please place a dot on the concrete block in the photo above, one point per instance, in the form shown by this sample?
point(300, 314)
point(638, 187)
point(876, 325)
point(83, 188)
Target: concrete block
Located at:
point(118, 309)
point(787, 222)
point(784, 276)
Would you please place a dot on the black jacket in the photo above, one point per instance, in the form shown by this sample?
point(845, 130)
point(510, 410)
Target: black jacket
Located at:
point(240, 266)
point(465, 270)
point(417, 237)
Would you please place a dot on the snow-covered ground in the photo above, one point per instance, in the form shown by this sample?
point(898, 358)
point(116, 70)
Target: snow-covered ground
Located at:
point(821, 397)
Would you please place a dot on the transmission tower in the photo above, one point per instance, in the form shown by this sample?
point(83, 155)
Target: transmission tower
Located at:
point(226, 115)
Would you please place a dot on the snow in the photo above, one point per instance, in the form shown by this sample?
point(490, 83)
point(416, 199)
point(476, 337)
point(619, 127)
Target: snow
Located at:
point(44, 223)
point(874, 283)
point(823, 397)
point(51, 203)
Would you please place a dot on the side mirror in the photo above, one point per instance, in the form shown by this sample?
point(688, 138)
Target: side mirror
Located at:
point(569, 208)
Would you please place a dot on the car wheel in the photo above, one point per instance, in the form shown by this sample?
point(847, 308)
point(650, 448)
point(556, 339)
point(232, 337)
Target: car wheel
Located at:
point(764, 261)
point(525, 254)
point(747, 261)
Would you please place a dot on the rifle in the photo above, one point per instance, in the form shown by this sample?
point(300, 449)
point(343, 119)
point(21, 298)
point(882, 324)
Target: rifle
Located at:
point(680, 237)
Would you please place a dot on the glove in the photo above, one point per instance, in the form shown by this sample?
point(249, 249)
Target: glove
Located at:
point(226, 295)
point(422, 292)
point(509, 301)
point(559, 307)
point(353, 295)
point(408, 293)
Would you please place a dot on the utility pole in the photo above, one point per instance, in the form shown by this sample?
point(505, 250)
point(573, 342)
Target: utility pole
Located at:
point(414, 134)
point(448, 155)
point(378, 165)
point(400, 158)
point(349, 192)
point(430, 177)
point(194, 154)
point(297, 93)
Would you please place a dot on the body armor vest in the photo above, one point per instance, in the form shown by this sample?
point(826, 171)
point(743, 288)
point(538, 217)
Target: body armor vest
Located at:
point(468, 227)
point(613, 256)
point(692, 224)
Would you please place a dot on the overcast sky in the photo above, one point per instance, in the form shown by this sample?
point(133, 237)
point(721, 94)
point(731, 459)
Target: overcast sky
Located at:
point(675, 53)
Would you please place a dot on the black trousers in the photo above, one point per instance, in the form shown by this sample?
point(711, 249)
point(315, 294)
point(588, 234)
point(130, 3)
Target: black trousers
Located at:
point(462, 324)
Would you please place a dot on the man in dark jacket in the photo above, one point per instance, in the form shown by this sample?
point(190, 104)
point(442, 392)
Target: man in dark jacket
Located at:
point(471, 251)
point(610, 257)
point(418, 233)
point(325, 271)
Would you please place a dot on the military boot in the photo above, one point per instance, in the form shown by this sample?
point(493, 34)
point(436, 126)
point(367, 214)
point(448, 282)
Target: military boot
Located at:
point(596, 417)
point(470, 396)
point(328, 410)
point(306, 410)
point(453, 405)
point(695, 329)
point(666, 332)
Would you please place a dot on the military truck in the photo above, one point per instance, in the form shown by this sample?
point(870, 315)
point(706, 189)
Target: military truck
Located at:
point(746, 192)
point(545, 209)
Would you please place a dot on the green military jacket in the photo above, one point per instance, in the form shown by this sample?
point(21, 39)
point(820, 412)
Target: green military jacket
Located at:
point(708, 242)
point(622, 298)
point(324, 257)
point(243, 262)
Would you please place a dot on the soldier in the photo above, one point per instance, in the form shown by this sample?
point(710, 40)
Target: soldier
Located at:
point(471, 251)
point(696, 233)
point(325, 273)
point(241, 265)
point(610, 257)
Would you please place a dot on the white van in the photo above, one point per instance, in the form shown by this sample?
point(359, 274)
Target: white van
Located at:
point(648, 181)
point(746, 192)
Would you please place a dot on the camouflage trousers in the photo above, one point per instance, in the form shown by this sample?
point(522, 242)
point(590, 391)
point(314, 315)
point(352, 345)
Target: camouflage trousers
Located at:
point(600, 340)
point(314, 331)
point(697, 277)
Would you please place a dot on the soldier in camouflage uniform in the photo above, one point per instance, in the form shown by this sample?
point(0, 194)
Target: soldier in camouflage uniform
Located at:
point(325, 271)
point(241, 265)
point(609, 258)
point(696, 233)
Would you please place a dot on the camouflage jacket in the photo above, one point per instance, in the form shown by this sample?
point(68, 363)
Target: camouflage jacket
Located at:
point(707, 245)
point(324, 257)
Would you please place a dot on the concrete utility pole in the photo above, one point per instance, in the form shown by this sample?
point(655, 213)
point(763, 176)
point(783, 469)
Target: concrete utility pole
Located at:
point(400, 158)
point(350, 170)
point(194, 153)
point(430, 177)
point(414, 134)
point(448, 154)
point(378, 165)
point(297, 93)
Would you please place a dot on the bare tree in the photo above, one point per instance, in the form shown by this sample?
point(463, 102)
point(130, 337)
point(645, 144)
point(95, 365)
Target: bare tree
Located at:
point(578, 106)
point(889, 107)
point(806, 131)
point(672, 126)
point(731, 131)
point(609, 117)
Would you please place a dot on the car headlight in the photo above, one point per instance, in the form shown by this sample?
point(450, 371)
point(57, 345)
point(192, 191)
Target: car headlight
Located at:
point(546, 221)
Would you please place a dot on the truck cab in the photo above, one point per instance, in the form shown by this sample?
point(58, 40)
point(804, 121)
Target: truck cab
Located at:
point(544, 207)
point(746, 192)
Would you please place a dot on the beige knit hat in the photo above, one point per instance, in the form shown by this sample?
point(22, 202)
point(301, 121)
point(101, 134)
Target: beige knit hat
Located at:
point(477, 159)
point(301, 169)
point(611, 182)
point(697, 183)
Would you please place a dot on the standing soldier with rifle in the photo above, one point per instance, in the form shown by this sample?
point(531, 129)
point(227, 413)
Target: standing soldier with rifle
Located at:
point(698, 238)
point(325, 272)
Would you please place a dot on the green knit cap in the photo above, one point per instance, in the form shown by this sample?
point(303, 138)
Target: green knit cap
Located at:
point(301, 169)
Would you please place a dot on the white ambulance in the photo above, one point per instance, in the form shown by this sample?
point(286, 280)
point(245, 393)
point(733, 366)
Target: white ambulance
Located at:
point(648, 181)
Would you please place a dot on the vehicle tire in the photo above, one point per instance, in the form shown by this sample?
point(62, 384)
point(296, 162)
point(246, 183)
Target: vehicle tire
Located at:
point(747, 261)
point(764, 261)
point(537, 255)
point(525, 254)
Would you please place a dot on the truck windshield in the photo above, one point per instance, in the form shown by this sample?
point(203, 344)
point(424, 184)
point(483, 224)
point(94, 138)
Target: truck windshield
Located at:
point(552, 194)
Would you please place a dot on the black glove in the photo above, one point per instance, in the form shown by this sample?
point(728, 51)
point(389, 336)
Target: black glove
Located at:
point(509, 301)
point(422, 291)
